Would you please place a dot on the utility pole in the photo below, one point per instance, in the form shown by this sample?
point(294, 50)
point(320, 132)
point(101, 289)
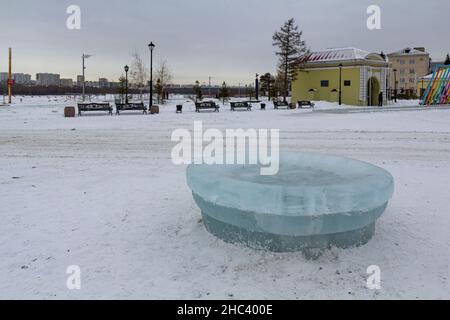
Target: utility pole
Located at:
point(10, 80)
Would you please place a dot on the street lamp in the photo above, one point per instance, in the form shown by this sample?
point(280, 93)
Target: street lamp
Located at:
point(151, 46)
point(340, 83)
point(83, 57)
point(126, 84)
point(257, 87)
point(395, 85)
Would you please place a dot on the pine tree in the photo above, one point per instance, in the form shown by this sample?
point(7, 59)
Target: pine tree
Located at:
point(290, 48)
point(447, 60)
point(198, 91)
point(223, 93)
point(267, 83)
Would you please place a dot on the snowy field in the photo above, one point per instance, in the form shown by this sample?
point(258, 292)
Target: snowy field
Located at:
point(102, 193)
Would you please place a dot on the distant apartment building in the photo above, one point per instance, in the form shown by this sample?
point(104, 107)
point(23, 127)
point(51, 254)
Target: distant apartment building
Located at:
point(411, 64)
point(19, 78)
point(103, 83)
point(47, 79)
point(3, 77)
point(79, 81)
point(67, 83)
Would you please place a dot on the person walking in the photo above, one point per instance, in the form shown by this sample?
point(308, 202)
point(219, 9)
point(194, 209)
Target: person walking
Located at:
point(380, 99)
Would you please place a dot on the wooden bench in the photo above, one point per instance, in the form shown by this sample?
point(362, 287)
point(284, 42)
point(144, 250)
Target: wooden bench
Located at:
point(139, 106)
point(241, 105)
point(305, 103)
point(206, 105)
point(280, 104)
point(86, 107)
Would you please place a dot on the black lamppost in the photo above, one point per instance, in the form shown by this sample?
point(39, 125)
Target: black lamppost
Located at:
point(151, 46)
point(340, 83)
point(395, 85)
point(257, 87)
point(126, 84)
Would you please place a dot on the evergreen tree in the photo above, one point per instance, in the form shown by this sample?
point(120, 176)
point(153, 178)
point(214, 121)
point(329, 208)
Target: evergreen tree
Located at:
point(267, 83)
point(290, 47)
point(198, 91)
point(447, 60)
point(224, 93)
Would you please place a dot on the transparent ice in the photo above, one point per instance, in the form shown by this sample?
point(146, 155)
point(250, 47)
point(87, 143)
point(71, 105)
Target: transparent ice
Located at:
point(315, 201)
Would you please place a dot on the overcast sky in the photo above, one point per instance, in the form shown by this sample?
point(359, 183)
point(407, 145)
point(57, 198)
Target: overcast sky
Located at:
point(230, 40)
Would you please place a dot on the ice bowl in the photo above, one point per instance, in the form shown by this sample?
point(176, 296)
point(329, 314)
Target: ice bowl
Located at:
point(314, 202)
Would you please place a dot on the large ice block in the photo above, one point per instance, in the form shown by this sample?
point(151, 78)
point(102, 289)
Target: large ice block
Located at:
point(314, 202)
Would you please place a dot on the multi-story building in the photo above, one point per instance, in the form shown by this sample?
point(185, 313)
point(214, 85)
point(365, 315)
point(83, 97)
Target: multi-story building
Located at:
point(79, 81)
point(3, 77)
point(67, 83)
point(103, 83)
point(21, 78)
point(47, 79)
point(407, 66)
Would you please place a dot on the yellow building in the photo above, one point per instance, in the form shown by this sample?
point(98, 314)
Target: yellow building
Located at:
point(362, 76)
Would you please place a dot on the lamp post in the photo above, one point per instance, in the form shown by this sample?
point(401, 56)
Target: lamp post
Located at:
point(151, 46)
point(395, 85)
point(83, 57)
point(257, 87)
point(340, 83)
point(126, 84)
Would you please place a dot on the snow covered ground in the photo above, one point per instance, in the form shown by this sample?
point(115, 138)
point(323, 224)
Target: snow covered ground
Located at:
point(102, 193)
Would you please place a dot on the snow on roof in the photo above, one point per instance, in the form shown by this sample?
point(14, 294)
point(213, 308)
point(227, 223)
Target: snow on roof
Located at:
point(336, 54)
point(407, 51)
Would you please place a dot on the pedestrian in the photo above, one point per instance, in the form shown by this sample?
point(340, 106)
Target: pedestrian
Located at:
point(380, 99)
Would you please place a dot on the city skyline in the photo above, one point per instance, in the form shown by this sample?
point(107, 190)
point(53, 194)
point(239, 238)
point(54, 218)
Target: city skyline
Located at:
point(230, 40)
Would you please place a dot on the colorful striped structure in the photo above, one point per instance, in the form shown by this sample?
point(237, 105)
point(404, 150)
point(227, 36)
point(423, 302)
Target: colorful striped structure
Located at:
point(438, 90)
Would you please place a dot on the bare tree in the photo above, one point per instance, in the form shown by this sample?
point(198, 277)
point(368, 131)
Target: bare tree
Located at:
point(138, 73)
point(164, 75)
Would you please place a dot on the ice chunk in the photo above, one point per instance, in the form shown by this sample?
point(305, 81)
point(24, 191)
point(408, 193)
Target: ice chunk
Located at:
point(314, 201)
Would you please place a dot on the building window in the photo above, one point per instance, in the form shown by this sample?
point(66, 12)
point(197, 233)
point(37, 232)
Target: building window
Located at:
point(347, 83)
point(402, 61)
point(402, 80)
point(411, 80)
point(412, 71)
point(402, 71)
point(324, 83)
point(412, 61)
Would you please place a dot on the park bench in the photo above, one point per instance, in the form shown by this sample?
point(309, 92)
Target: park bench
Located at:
point(241, 105)
point(86, 107)
point(280, 104)
point(206, 105)
point(305, 103)
point(139, 106)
